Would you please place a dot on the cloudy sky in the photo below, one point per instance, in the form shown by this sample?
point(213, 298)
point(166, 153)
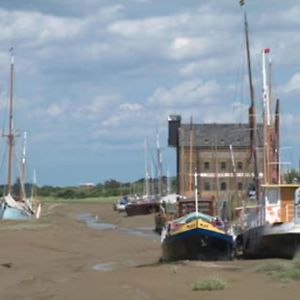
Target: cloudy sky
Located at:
point(94, 78)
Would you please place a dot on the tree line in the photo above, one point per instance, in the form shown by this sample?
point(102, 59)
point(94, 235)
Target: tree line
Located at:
point(108, 188)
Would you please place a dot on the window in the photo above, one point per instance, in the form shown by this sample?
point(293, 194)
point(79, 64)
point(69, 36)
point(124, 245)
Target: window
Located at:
point(206, 165)
point(223, 186)
point(240, 165)
point(206, 186)
point(240, 186)
point(223, 165)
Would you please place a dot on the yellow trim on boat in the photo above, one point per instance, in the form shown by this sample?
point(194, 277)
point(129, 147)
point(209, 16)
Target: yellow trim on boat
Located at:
point(196, 224)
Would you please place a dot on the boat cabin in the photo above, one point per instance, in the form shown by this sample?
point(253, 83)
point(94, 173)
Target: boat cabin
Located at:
point(187, 206)
point(282, 203)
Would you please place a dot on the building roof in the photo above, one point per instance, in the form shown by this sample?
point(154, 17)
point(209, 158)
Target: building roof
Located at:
point(218, 135)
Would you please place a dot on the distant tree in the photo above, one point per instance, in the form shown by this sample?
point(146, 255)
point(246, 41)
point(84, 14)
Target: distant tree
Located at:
point(67, 194)
point(112, 184)
point(292, 176)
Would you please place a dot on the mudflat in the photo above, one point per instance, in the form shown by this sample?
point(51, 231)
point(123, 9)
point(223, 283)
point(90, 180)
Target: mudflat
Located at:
point(88, 251)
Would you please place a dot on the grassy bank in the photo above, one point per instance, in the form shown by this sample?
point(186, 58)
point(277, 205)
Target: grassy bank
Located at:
point(109, 200)
point(281, 270)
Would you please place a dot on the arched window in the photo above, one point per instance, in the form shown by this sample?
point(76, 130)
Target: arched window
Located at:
point(239, 165)
point(223, 165)
point(240, 186)
point(223, 186)
point(206, 165)
point(206, 186)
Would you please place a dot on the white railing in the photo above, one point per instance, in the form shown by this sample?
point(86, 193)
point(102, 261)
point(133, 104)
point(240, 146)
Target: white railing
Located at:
point(297, 213)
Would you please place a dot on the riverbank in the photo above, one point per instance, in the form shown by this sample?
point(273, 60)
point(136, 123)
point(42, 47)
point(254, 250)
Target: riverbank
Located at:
point(66, 255)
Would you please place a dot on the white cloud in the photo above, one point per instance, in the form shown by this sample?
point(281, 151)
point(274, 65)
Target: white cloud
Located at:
point(183, 47)
point(188, 93)
point(34, 28)
point(293, 85)
point(96, 108)
point(54, 110)
point(150, 27)
point(106, 75)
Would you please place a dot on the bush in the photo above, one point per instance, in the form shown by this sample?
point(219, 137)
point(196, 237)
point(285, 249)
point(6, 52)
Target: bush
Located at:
point(274, 267)
point(209, 284)
point(281, 271)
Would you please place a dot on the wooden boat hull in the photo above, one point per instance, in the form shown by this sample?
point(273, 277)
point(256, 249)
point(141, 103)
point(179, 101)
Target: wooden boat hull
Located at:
point(277, 241)
point(197, 244)
point(134, 209)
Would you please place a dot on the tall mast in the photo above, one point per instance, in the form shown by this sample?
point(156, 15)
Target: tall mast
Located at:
point(196, 192)
point(23, 167)
point(266, 119)
point(10, 135)
point(252, 114)
point(147, 191)
point(277, 150)
point(159, 165)
point(191, 159)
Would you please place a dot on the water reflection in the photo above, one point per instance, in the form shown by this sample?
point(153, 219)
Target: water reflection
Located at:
point(93, 222)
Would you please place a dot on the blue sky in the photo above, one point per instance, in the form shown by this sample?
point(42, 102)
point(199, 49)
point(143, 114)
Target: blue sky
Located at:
point(94, 78)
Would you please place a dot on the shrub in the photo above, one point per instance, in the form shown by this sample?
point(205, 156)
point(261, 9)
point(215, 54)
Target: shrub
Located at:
point(267, 268)
point(209, 284)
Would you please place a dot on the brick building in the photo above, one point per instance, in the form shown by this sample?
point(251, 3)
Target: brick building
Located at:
point(220, 155)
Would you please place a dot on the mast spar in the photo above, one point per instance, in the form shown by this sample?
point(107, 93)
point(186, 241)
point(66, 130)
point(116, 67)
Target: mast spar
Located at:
point(10, 136)
point(252, 115)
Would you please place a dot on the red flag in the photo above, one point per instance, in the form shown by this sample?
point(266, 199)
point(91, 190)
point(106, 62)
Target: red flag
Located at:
point(267, 50)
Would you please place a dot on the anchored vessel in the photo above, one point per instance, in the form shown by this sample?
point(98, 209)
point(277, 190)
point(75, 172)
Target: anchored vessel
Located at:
point(273, 227)
point(15, 208)
point(278, 234)
point(196, 236)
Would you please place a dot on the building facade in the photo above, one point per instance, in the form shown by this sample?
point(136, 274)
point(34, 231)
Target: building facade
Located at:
point(220, 156)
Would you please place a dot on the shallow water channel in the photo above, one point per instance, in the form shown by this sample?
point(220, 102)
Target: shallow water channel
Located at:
point(94, 222)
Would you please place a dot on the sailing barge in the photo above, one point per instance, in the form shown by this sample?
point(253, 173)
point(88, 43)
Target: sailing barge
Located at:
point(277, 232)
point(196, 236)
point(11, 207)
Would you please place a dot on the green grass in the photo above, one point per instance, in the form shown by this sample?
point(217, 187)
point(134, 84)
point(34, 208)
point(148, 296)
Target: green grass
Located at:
point(296, 260)
point(282, 271)
point(271, 267)
point(109, 200)
point(209, 284)
point(286, 275)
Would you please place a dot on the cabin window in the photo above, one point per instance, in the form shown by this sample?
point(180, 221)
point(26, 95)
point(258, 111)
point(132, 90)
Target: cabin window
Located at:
point(240, 186)
point(223, 165)
point(206, 186)
point(223, 186)
point(239, 165)
point(272, 196)
point(206, 165)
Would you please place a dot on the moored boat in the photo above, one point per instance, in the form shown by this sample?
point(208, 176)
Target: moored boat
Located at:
point(273, 231)
point(196, 236)
point(120, 204)
point(14, 207)
point(142, 207)
point(278, 234)
point(183, 206)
